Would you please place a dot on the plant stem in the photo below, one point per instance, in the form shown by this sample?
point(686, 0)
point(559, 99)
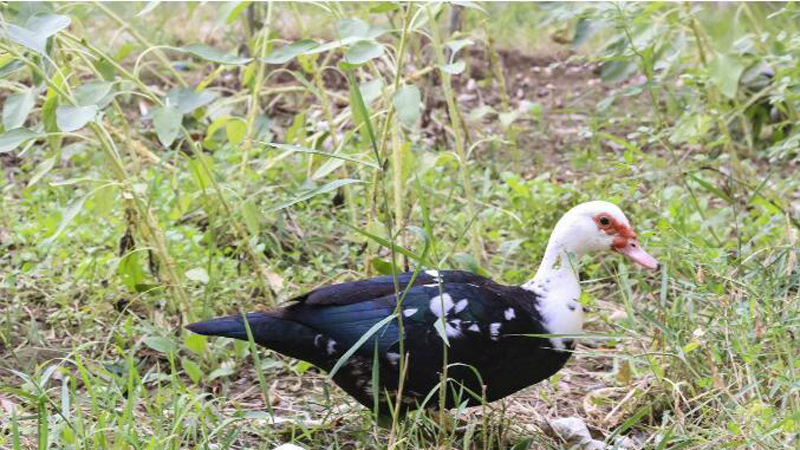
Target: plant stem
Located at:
point(397, 146)
point(458, 131)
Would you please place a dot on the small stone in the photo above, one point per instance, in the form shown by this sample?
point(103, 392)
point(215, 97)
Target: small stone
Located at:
point(574, 431)
point(288, 447)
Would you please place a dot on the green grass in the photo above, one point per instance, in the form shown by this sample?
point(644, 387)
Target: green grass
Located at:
point(117, 232)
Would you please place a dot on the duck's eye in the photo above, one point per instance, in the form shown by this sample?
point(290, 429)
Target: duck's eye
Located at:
point(604, 221)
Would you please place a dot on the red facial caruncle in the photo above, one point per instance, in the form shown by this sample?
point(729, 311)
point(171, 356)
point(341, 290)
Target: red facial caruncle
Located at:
point(625, 241)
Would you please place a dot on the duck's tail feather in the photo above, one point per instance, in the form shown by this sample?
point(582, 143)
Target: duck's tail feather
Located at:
point(276, 333)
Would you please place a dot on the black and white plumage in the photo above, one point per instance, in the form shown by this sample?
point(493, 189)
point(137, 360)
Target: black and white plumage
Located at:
point(486, 327)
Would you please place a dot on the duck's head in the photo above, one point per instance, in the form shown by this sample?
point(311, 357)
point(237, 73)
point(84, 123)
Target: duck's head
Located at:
point(596, 226)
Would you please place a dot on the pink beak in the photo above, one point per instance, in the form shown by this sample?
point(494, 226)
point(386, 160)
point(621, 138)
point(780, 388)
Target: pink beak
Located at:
point(635, 253)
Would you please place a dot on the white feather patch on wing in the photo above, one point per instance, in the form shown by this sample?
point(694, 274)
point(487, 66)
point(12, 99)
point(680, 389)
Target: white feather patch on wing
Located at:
point(494, 330)
point(441, 304)
point(408, 312)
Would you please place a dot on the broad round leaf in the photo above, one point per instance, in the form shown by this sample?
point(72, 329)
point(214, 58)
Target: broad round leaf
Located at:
point(46, 25)
point(407, 101)
point(188, 99)
point(235, 130)
point(457, 44)
point(14, 138)
point(26, 38)
point(288, 52)
point(93, 93)
point(17, 108)
point(454, 68)
point(167, 121)
point(214, 55)
point(363, 51)
point(371, 90)
point(352, 27)
point(35, 33)
point(73, 118)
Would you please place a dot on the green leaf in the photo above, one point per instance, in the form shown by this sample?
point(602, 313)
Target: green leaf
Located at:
point(408, 103)
point(583, 30)
point(188, 99)
point(288, 52)
point(12, 139)
point(383, 267)
point(690, 347)
point(197, 168)
point(131, 273)
point(358, 29)
point(41, 170)
point(468, 4)
point(617, 70)
point(160, 344)
point(167, 121)
point(252, 219)
point(73, 118)
point(371, 90)
point(198, 274)
point(235, 130)
point(192, 369)
point(332, 45)
point(360, 112)
point(26, 38)
point(222, 371)
point(333, 185)
point(11, 67)
point(104, 200)
point(196, 343)
point(105, 67)
point(234, 11)
point(384, 7)
point(213, 55)
point(363, 51)
point(93, 93)
point(36, 32)
point(454, 68)
point(725, 72)
point(72, 210)
point(352, 28)
point(17, 108)
point(441, 329)
point(457, 44)
point(47, 25)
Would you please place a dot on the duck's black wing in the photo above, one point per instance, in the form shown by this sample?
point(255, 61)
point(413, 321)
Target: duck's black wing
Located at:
point(477, 320)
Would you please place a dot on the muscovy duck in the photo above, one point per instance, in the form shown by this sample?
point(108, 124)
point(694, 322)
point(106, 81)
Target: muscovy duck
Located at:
point(486, 326)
